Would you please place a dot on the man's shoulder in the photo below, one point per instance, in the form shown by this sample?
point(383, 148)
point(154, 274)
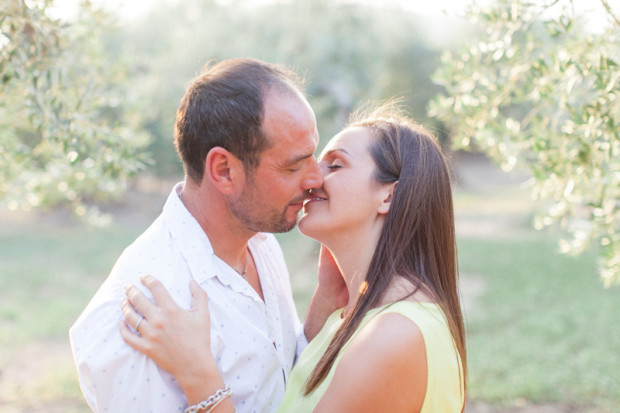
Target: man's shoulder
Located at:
point(155, 233)
point(151, 252)
point(154, 244)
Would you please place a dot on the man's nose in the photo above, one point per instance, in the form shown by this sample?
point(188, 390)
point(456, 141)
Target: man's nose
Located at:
point(314, 177)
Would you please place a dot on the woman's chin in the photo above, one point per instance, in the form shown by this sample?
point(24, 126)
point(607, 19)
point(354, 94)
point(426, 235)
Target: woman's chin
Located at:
point(307, 228)
point(303, 224)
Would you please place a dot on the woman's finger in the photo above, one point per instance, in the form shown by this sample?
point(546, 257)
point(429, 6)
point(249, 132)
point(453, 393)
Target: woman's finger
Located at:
point(174, 338)
point(141, 303)
point(131, 315)
point(134, 340)
point(200, 300)
point(161, 295)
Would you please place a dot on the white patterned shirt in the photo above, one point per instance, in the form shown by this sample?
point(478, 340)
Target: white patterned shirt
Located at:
point(254, 342)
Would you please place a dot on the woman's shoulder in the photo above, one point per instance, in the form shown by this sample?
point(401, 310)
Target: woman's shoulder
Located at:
point(396, 349)
point(390, 339)
point(401, 331)
point(392, 328)
point(388, 351)
point(398, 322)
point(427, 318)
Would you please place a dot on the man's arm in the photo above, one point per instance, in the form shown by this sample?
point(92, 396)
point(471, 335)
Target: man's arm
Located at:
point(331, 294)
point(113, 376)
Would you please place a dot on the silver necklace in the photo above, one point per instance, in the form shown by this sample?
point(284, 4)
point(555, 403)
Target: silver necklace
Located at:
point(245, 265)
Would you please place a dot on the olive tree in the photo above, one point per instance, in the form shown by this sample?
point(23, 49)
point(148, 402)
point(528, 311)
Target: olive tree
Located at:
point(348, 53)
point(65, 129)
point(539, 88)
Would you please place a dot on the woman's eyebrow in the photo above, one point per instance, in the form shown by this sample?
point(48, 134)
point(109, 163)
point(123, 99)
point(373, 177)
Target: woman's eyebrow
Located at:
point(331, 151)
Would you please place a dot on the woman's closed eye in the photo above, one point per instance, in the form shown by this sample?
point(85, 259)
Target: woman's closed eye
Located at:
point(334, 163)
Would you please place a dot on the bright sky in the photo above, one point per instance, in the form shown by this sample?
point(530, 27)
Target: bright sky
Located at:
point(130, 9)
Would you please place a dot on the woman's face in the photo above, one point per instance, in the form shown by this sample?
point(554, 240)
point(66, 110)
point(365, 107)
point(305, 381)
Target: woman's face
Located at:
point(349, 202)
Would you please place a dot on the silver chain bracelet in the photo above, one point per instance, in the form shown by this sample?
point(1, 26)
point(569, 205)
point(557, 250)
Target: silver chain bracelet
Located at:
point(211, 402)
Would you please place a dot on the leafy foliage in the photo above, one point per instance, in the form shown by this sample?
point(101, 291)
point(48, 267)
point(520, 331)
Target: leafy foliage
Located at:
point(76, 94)
point(540, 90)
point(61, 107)
point(348, 54)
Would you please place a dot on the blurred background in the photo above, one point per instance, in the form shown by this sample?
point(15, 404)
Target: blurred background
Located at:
point(522, 95)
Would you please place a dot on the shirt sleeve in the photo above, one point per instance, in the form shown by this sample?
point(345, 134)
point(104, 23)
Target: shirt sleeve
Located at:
point(113, 376)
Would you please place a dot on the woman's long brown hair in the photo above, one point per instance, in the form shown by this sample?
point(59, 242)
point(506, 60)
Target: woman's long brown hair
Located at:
point(417, 240)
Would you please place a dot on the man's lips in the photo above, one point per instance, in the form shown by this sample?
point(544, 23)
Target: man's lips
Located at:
point(314, 198)
point(298, 204)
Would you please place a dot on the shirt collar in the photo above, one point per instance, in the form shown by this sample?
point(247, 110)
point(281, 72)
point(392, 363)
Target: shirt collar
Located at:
point(192, 240)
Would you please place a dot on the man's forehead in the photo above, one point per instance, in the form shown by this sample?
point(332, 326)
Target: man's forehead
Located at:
point(285, 152)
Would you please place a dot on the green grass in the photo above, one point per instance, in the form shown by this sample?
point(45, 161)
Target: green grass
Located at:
point(545, 329)
point(48, 273)
point(47, 276)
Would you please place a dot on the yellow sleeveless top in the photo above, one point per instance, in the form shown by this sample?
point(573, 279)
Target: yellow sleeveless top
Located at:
point(444, 387)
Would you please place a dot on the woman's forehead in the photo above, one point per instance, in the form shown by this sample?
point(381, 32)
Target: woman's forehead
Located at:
point(350, 140)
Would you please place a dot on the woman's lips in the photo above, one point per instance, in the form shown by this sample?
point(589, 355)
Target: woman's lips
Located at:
point(314, 199)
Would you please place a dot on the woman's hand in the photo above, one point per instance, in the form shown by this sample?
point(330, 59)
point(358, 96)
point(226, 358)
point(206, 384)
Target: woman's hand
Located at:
point(330, 279)
point(331, 294)
point(177, 340)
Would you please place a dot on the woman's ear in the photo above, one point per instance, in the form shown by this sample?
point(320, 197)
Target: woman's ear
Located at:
point(387, 194)
point(224, 170)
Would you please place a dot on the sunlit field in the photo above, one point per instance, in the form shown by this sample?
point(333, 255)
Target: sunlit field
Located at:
point(541, 328)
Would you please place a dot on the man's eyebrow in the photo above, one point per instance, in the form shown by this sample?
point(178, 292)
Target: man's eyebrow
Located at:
point(298, 158)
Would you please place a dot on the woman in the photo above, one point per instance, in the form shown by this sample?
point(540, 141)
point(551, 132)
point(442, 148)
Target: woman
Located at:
point(385, 215)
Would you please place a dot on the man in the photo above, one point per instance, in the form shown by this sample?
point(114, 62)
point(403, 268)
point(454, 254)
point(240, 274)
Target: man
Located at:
point(246, 136)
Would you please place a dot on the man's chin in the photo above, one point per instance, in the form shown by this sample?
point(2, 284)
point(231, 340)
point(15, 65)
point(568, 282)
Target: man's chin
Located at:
point(285, 225)
point(289, 226)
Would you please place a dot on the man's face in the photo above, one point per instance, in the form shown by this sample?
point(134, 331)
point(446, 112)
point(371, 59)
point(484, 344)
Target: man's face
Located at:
point(274, 192)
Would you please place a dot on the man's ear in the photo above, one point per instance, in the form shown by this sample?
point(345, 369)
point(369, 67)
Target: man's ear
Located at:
point(224, 170)
point(387, 194)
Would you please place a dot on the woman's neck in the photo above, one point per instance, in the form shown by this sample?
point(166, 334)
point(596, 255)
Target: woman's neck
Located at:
point(353, 254)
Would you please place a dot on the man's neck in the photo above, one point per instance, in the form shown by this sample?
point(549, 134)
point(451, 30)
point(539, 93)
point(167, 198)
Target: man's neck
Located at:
point(208, 206)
